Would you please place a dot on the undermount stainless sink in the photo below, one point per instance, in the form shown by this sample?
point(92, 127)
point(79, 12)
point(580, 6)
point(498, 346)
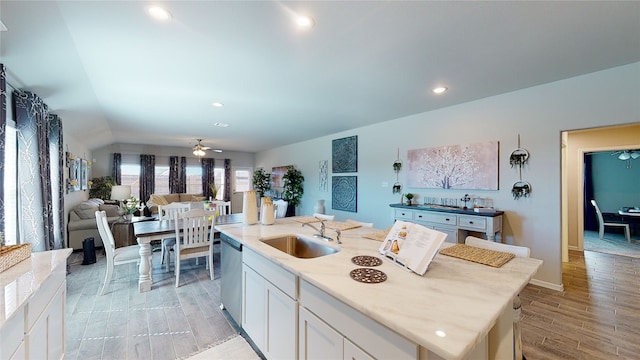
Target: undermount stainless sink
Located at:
point(299, 247)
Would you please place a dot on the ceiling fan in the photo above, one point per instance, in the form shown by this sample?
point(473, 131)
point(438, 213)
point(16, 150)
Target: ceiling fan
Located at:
point(199, 149)
point(627, 155)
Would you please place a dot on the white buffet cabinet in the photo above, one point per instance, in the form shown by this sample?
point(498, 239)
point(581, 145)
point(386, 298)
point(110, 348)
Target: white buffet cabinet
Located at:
point(33, 307)
point(451, 222)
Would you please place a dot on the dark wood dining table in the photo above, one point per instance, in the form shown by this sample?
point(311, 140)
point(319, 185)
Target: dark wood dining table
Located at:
point(148, 231)
point(632, 216)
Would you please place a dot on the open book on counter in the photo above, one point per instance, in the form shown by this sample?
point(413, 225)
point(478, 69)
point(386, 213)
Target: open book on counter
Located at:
point(412, 245)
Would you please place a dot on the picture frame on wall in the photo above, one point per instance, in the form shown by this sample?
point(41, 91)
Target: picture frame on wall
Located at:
point(344, 154)
point(344, 193)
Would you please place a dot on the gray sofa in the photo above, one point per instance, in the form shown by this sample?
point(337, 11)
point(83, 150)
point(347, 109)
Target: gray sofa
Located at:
point(82, 222)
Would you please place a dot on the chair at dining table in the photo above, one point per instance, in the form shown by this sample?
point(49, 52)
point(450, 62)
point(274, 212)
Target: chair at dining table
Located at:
point(170, 212)
point(195, 231)
point(610, 220)
point(223, 207)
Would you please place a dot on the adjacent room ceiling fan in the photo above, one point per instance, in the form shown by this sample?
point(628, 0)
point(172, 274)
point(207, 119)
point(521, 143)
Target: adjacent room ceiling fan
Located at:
point(199, 149)
point(627, 155)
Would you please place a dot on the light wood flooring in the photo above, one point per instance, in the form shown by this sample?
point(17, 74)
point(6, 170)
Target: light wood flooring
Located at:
point(597, 316)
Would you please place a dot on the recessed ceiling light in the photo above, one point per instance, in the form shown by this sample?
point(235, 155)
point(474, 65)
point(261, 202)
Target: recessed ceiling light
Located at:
point(159, 13)
point(220, 124)
point(305, 22)
point(217, 104)
point(439, 90)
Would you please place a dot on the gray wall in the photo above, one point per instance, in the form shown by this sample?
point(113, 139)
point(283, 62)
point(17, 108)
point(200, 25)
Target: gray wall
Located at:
point(539, 114)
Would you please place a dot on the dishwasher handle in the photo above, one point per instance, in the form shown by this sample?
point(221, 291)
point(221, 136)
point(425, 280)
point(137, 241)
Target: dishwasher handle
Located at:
point(231, 241)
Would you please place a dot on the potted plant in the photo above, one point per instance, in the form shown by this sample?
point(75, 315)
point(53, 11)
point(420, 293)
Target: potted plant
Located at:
point(214, 190)
point(292, 189)
point(101, 187)
point(409, 196)
point(261, 182)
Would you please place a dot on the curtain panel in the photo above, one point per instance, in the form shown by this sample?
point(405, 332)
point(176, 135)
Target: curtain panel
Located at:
point(227, 179)
point(147, 176)
point(36, 211)
point(174, 175)
point(116, 169)
point(3, 135)
point(183, 174)
point(208, 176)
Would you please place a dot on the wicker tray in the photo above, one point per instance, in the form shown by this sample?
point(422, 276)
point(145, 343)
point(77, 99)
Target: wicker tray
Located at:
point(478, 255)
point(13, 254)
point(379, 235)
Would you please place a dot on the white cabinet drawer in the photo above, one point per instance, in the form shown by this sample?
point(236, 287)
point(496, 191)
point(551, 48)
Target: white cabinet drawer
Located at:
point(472, 222)
point(404, 214)
point(439, 218)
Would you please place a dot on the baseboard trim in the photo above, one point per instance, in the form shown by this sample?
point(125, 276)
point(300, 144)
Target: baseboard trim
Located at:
point(546, 284)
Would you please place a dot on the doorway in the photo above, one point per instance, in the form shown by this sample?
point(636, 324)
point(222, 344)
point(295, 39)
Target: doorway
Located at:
point(575, 144)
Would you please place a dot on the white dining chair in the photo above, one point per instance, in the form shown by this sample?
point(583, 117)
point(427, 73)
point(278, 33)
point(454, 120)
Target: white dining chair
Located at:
point(363, 224)
point(170, 212)
point(119, 256)
point(611, 220)
point(518, 251)
point(194, 228)
point(223, 207)
point(324, 217)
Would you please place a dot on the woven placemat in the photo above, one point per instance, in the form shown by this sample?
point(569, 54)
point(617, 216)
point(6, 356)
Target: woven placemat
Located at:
point(478, 255)
point(341, 225)
point(13, 254)
point(305, 219)
point(379, 235)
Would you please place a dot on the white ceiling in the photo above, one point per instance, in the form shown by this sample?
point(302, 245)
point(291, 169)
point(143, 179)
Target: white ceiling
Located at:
point(115, 75)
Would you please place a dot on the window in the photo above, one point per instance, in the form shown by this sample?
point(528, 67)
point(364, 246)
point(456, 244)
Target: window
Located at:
point(243, 180)
point(10, 187)
point(194, 179)
point(131, 176)
point(162, 180)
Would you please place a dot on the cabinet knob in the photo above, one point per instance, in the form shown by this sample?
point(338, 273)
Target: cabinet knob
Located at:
point(470, 222)
point(447, 219)
point(419, 216)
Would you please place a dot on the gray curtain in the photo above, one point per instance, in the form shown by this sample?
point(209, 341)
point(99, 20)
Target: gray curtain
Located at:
point(227, 179)
point(3, 129)
point(36, 209)
point(208, 175)
point(57, 175)
point(116, 169)
point(177, 175)
point(147, 176)
point(174, 175)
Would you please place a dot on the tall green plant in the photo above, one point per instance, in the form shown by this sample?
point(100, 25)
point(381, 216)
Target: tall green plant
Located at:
point(293, 190)
point(261, 182)
point(101, 187)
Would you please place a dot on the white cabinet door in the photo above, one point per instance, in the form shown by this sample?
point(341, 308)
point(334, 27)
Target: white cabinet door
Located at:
point(254, 306)
point(281, 324)
point(316, 339)
point(352, 352)
point(45, 339)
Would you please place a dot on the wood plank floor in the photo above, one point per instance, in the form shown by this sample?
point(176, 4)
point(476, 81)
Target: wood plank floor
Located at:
point(597, 316)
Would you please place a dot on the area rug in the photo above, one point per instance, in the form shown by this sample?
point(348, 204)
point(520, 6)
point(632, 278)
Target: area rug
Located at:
point(616, 245)
point(236, 348)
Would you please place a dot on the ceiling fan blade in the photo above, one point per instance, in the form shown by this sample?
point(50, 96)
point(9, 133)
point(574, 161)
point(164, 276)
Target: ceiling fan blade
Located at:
point(205, 147)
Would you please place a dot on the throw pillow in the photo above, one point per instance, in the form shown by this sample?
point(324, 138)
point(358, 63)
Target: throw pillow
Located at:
point(198, 198)
point(158, 200)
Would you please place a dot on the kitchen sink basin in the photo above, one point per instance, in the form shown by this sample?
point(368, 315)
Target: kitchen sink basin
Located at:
point(299, 246)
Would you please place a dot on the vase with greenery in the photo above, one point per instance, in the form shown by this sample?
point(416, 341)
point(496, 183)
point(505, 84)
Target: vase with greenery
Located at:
point(101, 187)
point(261, 182)
point(214, 190)
point(409, 196)
point(292, 189)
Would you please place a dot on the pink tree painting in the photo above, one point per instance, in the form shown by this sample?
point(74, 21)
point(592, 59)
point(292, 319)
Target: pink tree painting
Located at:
point(469, 167)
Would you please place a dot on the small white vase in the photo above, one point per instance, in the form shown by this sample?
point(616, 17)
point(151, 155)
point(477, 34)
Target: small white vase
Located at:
point(319, 207)
point(250, 208)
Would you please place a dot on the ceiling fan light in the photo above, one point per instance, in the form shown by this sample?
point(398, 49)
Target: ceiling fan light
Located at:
point(624, 155)
point(198, 152)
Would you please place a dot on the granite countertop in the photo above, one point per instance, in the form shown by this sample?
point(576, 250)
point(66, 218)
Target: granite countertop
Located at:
point(21, 281)
point(447, 209)
point(457, 297)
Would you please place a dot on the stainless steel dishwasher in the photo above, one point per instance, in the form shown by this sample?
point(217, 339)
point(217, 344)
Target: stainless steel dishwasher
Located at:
point(231, 277)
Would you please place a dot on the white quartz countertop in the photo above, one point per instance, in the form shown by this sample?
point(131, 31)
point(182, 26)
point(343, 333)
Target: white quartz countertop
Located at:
point(21, 281)
point(448, 310)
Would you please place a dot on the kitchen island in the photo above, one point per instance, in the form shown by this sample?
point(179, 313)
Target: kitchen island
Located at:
point(457, 310)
